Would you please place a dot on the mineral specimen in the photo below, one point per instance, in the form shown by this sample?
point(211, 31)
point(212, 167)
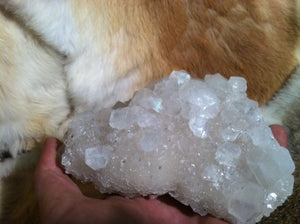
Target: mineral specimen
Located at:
point(203, 142)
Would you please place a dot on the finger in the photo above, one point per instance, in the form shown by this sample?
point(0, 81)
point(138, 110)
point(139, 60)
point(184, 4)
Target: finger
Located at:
point(54, 190)
point(48, 175)
point(48, 157)
point(280, 134)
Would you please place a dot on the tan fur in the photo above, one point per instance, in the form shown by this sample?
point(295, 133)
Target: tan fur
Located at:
point(253, 39)
point(142, 40)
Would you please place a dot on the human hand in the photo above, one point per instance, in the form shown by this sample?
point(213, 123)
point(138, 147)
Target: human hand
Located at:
point(61, 201)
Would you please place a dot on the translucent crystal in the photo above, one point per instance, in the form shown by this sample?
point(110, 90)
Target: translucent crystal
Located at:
point(97, 158)
point(145, 99)
point(238, 84)
point(229, 134)
point(216, 81)
point(181, 77)
point(228, 153)
point(203, 142)
point(121, 119)
point(197, 126)
point(146, 119)
point(150, 141)
point(246, 204)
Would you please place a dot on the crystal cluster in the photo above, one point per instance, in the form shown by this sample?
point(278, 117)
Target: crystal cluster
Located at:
point(201, 141)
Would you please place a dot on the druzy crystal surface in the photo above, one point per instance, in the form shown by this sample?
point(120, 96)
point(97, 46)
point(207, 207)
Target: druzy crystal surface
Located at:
point(201, 141)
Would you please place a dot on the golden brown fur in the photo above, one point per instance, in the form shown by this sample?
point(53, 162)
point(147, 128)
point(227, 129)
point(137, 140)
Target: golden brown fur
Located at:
point(254, 39)
point(141, 40)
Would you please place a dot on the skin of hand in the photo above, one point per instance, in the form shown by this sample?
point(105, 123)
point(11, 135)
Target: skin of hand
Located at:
point(60, 200)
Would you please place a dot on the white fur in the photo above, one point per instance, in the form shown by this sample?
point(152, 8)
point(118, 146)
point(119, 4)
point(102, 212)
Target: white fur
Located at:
point(52, 19)
point(32, 89)
point(93, 82)
point(38, 85)
point(7, 167)
point(90, 71)
point(276, 110)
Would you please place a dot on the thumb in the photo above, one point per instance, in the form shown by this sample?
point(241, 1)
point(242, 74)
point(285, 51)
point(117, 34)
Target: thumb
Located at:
point(53, 188)
point(280, 134)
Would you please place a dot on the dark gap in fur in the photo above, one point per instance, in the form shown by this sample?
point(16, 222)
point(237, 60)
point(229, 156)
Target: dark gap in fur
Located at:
point(23, 151)
point(5, 155)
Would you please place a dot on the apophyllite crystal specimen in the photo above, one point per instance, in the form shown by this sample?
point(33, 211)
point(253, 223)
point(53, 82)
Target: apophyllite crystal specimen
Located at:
point(201, 141)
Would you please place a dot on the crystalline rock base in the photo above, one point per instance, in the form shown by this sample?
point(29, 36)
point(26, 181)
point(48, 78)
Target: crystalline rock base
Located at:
point(202, 141)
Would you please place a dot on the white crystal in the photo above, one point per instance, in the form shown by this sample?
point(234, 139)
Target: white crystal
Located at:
point(228, 153)
point(246, 204)
point(121, 119)
point(203, 142)
point(229, 134)
point(150, 141)
point(197, 126)
point(238, 84)
point(203, 101)
point(181, 77)
point(217, 81)
point(146, 119)
point(97, 158)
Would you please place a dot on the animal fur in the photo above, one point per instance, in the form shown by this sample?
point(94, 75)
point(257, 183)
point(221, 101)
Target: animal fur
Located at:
point(58, 58)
